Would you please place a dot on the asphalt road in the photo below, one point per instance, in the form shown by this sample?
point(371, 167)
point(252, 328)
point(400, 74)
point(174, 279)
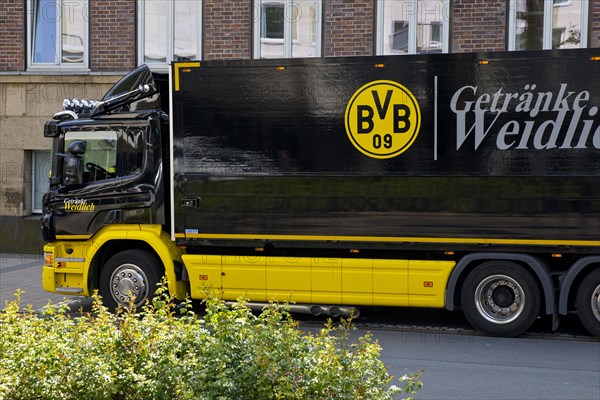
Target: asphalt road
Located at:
point(456, 364)
point(478, 367)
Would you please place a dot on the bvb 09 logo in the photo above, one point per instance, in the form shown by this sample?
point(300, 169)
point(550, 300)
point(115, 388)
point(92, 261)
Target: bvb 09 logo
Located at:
point(382, 119)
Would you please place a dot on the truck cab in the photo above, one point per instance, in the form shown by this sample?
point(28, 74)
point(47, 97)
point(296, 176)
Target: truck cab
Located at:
point(105, 215)
point(107, 161)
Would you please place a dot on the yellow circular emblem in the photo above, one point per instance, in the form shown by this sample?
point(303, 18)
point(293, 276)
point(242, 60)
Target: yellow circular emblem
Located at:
point(382, 119)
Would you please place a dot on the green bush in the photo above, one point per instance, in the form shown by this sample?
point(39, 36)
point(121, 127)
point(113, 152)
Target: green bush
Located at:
point(171, 353)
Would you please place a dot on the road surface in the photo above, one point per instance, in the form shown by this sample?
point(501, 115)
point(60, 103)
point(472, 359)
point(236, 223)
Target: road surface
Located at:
point(477, 367)
point(24, 271)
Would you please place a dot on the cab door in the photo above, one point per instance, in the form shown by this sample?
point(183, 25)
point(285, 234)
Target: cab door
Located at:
point(103, 179)
point(90, 187)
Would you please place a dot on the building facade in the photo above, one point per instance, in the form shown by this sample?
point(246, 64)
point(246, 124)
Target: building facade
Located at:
point(56, 49)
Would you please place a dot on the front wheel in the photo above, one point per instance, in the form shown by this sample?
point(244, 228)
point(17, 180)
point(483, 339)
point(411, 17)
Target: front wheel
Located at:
point(129, 277)
point(500, 298)
point(588, 302)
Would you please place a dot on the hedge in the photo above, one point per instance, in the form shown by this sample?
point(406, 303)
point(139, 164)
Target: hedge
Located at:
point(169, 352)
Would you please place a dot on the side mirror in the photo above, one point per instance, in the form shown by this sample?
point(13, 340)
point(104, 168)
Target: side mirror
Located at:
point(77, 147)
point(73, 170)
point(51, 129)
point(73, 166)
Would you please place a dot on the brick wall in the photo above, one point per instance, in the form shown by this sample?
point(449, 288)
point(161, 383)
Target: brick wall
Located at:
point(478, 25)
point(348, 28)
point(112, 35)
point(227, 29)
point(12, 35)
point(595, 25)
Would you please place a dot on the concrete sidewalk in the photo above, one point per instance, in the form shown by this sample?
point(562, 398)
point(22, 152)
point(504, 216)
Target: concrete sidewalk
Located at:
point(24, 271)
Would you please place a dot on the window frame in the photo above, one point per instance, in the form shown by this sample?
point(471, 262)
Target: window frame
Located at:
point(58, 64)
point(548, 29)
point(413, 23)
point(34, 178)
point(164, 66)
point(288, 34)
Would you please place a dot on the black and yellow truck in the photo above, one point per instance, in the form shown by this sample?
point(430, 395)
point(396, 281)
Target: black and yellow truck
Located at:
point(466, 181)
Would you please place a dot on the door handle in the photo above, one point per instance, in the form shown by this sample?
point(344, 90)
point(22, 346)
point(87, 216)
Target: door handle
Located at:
point(193, 203)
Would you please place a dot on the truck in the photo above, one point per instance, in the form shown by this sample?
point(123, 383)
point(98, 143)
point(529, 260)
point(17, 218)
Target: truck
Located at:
point(453, 181)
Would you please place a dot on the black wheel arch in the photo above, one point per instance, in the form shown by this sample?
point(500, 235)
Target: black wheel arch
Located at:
point(536, 266)
point(571, 280)
point(110, 248)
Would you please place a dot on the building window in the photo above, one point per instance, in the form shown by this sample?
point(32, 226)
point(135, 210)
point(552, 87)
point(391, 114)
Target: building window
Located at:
point(41, 175)
point(271, 26)
point(57, 34)
point(169, 31)
point(287, 28)
point(548, 24)
point(412, 26)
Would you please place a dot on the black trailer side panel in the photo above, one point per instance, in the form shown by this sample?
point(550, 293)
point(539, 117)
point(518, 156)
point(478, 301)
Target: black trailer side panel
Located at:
point(506, 148)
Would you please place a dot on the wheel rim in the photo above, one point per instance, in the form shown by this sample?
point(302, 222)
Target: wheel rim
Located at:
point(596, 302)
point(500, 299)
point(128, 281)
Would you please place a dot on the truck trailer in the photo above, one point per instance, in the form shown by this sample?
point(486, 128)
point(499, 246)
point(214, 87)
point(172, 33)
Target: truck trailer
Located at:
point(456, 181)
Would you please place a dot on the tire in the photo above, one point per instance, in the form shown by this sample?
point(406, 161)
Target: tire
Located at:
point(500, 298)
point(588, 302)
point(129, 272)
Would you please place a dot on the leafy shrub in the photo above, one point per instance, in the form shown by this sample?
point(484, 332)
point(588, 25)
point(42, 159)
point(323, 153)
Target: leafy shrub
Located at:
point(171, 353)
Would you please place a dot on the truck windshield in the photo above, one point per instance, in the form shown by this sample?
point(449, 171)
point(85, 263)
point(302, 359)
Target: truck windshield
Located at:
point(107, 153)
point(100, 157)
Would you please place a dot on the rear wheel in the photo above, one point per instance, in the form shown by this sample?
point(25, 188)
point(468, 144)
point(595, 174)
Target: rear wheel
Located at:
point(588, 302)
point(500, 298)
point(130, 274)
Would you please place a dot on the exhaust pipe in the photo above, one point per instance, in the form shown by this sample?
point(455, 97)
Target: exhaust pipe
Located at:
point(291, 308)
point(315, 310)
point(341, 311)
point(312, 309)
point(332, 311)
point(302, 309)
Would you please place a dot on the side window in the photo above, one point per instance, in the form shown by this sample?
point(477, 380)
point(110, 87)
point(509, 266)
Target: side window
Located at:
point(287, 28)
point(97, 155)
point(99, 158)
point(129, 155)
point(57, 34)
point(169, 30)
point(550, 24)
point(413, 26)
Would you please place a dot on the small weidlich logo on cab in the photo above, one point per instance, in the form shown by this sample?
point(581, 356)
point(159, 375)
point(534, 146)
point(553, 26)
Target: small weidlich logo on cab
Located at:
point(78, 205)
point(382, 119)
